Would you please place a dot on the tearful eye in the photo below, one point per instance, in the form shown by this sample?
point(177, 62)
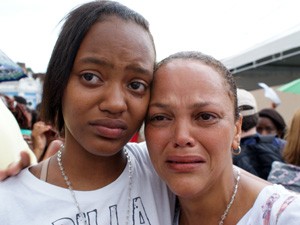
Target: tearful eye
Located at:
point(157, 118)
point(206, 116)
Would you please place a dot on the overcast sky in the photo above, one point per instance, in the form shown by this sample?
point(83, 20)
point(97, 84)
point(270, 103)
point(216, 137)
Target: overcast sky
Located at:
point(222, 28)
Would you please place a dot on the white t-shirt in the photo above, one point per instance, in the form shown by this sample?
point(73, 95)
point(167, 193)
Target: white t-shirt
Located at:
point(27, 200)
point(274, 205)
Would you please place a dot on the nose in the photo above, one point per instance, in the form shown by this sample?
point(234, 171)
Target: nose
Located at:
point(114, 100)
point(183, 135)
point(264, 132)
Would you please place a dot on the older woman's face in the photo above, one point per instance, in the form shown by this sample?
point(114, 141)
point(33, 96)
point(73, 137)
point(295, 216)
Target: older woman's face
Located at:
point(190, 126)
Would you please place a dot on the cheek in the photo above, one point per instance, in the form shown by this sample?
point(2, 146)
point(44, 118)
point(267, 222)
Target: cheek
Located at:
point(156, 158)
point(74, 105)
point(217, 141)
point(153, 142)
point(138, 109)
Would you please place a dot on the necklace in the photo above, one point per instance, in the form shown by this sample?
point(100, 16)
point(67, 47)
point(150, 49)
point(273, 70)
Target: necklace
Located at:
point(237, 180)
point(81, 217)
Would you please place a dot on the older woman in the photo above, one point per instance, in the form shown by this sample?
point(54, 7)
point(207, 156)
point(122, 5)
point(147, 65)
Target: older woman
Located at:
point(96, 92)
point(192, 127)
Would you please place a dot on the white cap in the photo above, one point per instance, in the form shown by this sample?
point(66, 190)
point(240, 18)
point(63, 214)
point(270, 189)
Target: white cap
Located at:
point(245, 98)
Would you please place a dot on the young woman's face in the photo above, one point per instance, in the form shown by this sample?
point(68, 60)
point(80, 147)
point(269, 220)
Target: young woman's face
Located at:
point(265, 126)
point(108, 92)
point(190, 126)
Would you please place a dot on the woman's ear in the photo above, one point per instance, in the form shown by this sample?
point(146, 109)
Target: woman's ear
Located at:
point(237, 132)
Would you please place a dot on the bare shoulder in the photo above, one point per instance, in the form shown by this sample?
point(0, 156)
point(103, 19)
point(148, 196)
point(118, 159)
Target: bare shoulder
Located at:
point(249, 189)
point(252, 184)
point(253, 181)
point(36, 169)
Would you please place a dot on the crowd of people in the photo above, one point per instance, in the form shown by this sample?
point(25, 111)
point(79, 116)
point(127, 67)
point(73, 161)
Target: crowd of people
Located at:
point(269, 148)
point(37, 133)
point(207, 158)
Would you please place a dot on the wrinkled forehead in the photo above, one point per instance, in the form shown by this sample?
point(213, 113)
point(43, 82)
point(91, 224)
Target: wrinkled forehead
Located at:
point(184, 74)
point(184, 70)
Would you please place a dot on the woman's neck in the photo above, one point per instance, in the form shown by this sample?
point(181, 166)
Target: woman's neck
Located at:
point(84, 170)
point(210, 205)
point(88, 172)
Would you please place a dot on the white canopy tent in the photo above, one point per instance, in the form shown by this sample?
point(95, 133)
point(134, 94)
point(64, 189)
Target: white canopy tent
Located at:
point(276, 49)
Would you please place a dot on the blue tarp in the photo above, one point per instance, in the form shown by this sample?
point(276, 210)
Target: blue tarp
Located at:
point(9, 70)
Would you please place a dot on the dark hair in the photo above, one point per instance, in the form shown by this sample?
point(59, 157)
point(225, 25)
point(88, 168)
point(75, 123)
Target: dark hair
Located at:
point(248, 121)
point(276, 118)
point(77, 23)
point(20, 99)
point(214, 64)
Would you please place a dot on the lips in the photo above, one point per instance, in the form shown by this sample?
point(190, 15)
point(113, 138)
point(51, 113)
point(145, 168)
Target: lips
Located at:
point(109, 128)
point(184, 163)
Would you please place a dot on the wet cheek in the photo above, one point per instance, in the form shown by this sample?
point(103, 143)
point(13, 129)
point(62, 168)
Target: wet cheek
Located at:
point(150, 139)
point(155, 147)
point(155, 157)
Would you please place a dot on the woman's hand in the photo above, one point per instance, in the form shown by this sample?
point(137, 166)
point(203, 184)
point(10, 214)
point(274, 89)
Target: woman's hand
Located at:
point(15, 167)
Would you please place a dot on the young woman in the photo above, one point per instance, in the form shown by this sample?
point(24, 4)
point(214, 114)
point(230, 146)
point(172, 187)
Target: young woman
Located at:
point(192, 127)
point(96, 92)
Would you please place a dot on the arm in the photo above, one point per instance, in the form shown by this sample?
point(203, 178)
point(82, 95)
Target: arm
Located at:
point(25, 159)
point(39, 137)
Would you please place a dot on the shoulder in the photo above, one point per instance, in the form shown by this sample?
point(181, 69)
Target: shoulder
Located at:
point(14, 184)
point(138, 149)
point(277, 205)
point(139, 152)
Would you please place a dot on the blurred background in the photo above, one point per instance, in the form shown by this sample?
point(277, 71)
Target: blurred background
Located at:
point(257, 40)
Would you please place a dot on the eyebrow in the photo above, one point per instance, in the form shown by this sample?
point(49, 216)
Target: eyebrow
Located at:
point(202, 104)
point(134, 67)
point(95, 61)
point(165, 106)
point(139, 69)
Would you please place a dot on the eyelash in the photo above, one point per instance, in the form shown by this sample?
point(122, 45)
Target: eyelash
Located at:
point(200, 117)
point(158, 118)
point(134, 83)
point(136, 86)
point(89, 77)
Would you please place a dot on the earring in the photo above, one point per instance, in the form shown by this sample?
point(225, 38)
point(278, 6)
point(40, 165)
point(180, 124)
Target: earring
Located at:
point(236, 151)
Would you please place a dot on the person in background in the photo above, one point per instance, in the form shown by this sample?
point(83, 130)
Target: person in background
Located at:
point(257, 152)
point(43, 137)
point(20, 100)
point(288, 173)
point(192, 127)
point(24, 116)
point(271, 123)
point(96, 92)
